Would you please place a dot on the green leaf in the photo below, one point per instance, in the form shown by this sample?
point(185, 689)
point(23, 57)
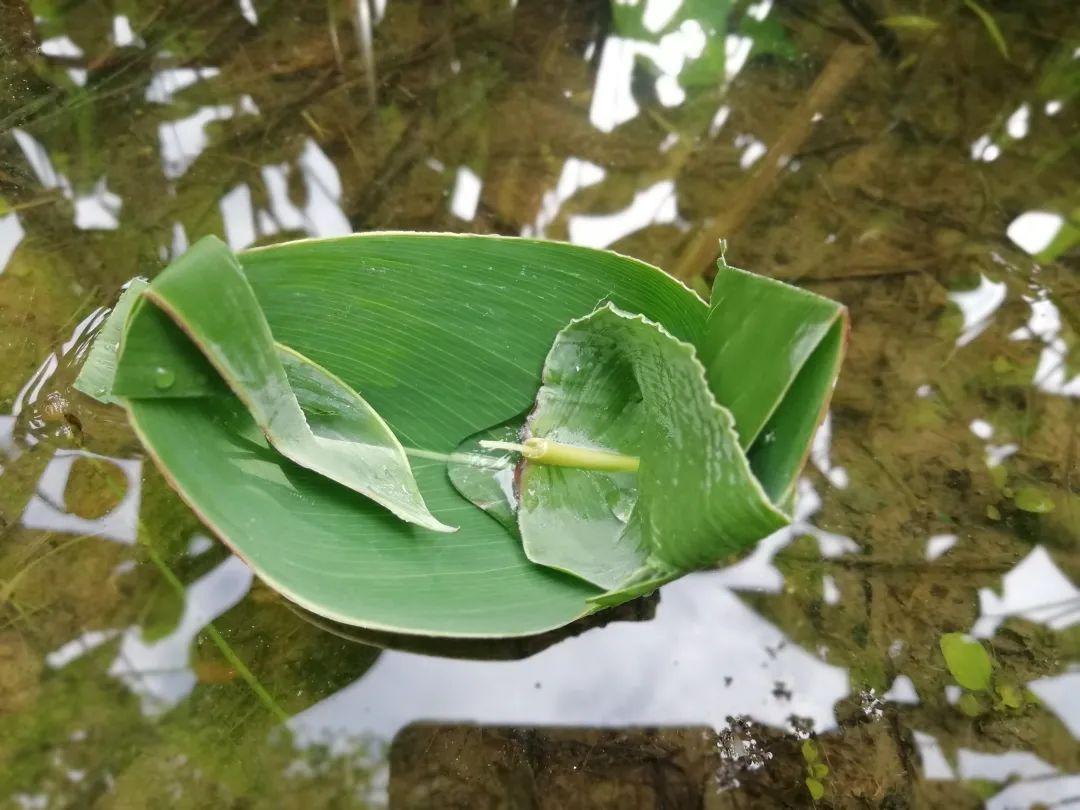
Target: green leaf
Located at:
point(1010, 694)
point(99, 372)
point(350, 445)
point(773, 370)
point(770, 38)
point(991, 26)
point(232, 366)
point(967, 660)
point(444, 336)
point(816, 788)
point(1033, 499)
point(969, 704)
point(621, 383)
point(809, 750)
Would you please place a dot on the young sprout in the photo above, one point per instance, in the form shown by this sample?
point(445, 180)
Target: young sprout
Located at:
point(545, 451)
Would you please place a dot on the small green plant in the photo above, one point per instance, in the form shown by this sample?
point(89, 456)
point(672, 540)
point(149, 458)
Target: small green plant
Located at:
point(816, 771)
point(973, 669)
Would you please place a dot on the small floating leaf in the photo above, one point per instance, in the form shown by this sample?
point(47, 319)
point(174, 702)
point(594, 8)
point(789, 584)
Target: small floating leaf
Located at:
point(1033, 499)
point(1010, 694)
point(969, 704)
point(967, 660)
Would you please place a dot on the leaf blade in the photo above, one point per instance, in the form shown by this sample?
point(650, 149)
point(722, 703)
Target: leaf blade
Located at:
point(387, 313)
point(621, 383)
point(98, 374)
point(207, 297)
point(967, 660)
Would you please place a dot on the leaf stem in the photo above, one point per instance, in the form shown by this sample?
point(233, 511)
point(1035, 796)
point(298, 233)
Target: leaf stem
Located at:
point(458, 458)
point(556, 454)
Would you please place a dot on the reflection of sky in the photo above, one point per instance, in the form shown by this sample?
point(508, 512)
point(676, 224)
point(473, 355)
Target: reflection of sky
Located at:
point(158, 671)
point(613, 101)
point(122, 33)
point(45, 509)
point(1033, 231)
point(651, 206)
point(1035, 590)
point(1037, 783)
point(96, 210)
point(668, 671)
point(165, 84)
point(1061, 694)
point(1044, 325)
point(466, 194)
point(576, 174)
point(977, 306)
point(7, 443)
point(184, 139)
point(320, 216)
point(64, 46)
point(11, 234)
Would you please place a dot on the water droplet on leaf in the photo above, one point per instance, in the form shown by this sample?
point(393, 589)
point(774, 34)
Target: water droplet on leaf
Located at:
point(164, 378)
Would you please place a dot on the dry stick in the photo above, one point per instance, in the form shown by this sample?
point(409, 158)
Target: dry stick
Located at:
point(703, 249)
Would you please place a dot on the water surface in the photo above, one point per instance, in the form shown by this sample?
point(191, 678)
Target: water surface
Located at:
point(924, 170)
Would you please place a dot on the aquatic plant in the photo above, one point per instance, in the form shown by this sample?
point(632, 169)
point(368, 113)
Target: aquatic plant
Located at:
point(336, 410)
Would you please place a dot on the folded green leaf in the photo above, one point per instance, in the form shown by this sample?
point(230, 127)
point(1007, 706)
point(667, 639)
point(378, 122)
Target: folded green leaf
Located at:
point(619, 383)
point(213, 309)
point(772, 354)
point(622, 383)
point(98, 374)
point(242, 376)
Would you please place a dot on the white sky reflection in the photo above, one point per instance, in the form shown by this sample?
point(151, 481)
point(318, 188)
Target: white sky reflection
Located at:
point(653, 205)
point(977, 306)
point(11, 234)
point(668, 671)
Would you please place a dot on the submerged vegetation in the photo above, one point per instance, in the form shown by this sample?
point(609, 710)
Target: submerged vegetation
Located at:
point(903, 167)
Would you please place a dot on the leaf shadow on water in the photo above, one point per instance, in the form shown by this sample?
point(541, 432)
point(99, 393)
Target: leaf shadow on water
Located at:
point(508, 649)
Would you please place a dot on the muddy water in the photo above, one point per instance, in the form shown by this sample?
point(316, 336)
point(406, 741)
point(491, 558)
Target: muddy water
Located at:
point(921, 169)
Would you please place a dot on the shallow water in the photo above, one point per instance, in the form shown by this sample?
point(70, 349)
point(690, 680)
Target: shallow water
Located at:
point(923, 170)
